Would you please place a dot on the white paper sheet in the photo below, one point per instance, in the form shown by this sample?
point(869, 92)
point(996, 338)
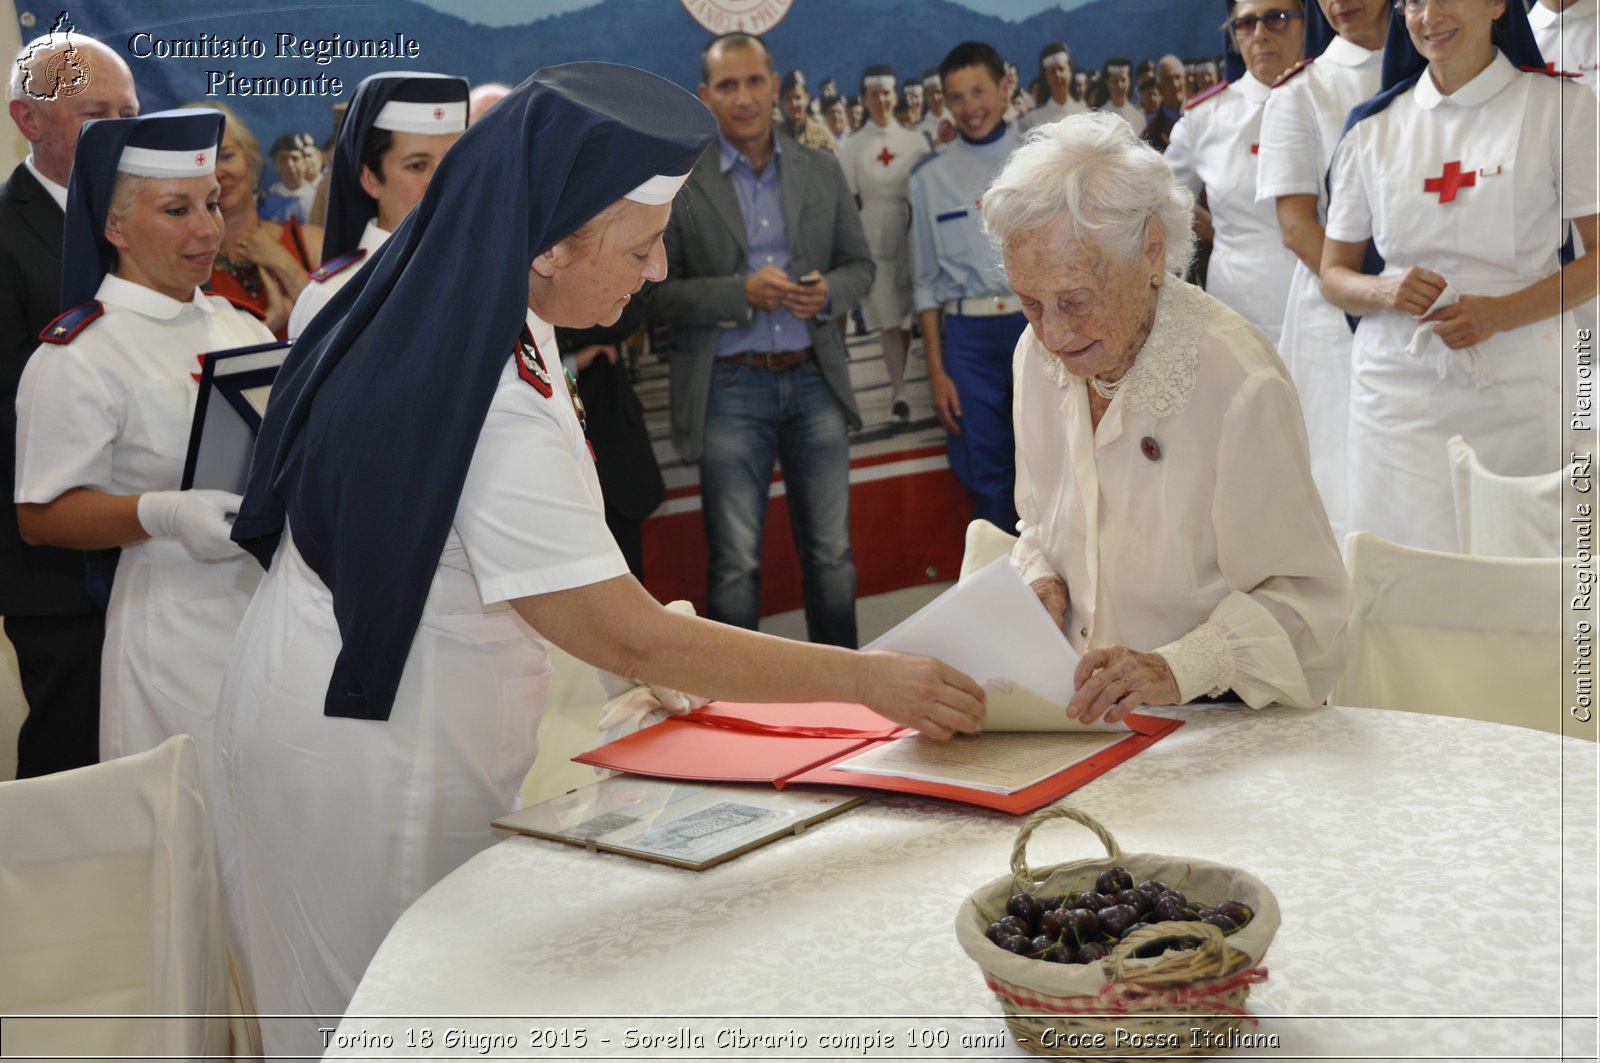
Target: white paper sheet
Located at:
point(993, 627)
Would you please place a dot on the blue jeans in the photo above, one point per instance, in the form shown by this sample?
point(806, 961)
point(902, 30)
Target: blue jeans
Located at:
point(758, 418)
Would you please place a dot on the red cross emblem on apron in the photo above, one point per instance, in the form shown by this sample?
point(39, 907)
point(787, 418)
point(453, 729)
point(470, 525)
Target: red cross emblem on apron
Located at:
point(1448, 182)
point(886, 156)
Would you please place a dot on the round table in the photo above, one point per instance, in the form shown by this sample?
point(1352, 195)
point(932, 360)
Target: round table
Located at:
point(1437, 878)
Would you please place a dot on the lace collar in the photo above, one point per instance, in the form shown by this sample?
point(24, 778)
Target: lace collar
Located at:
point(1164, 372)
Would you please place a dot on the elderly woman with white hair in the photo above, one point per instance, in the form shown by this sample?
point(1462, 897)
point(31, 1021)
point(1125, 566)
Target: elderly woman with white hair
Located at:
point(1169, 518)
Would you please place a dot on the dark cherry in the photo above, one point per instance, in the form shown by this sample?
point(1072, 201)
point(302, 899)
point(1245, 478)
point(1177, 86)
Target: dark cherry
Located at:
point(1093, 952)
point(1171, 909)
point(1018, 944)
point(1142, 901)
point(1221, 922)
point(1116, 919)
point(1082, 926)
point(1025, 906)
point(1113, 880)
point(1053, 922)
point(1089, 899)
point(996, 931)
point(1179, 895)
point(1013, 925)
point(1040, 943)
point(1154, 884)
point(1238, 911)
point(1061, 952)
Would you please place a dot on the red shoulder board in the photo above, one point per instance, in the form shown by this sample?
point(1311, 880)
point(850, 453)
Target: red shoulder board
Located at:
point(337, 265)
point(530, 364)
point(1195, 101)
point(250, 308)
point(65, 328)
point(1292, 71)
point(1550, 69)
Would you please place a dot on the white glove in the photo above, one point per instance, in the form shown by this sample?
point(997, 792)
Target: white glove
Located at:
point(200, 519)
point(636, 704)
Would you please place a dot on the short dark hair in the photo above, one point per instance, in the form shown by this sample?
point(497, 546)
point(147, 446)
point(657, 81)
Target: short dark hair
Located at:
point(878, 70)
point(973, 53)
point(377, 144)
point(931, 72)
point(793, 78)
point(287, 142)
point(730, 40)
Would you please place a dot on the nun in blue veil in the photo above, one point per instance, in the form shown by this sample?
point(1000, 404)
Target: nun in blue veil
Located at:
point(428, 506)
point(103, 416)
point(1464, 172)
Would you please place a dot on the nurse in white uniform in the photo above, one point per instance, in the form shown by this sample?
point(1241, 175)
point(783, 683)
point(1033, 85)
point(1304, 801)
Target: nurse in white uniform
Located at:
point(1465, 174)
point(1214, 149)
point(1568, 32)
point(103, 416)
point(1302, 122)
point(396, 130)
point(384, 694)
point(1055, 76)
point(877, 161)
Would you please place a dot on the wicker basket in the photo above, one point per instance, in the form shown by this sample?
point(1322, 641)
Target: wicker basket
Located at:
point(1176, 1004)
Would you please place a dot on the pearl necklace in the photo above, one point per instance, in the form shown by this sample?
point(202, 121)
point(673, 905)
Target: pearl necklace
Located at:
point(1108, 391)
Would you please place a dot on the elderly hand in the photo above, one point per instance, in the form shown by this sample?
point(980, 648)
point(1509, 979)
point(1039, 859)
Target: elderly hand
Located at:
point(768, 287)
point(1412, 292)
point(923, 693)
point(1114, 680)
point(809, 300)
point(1052, 594)
point(946, 403)
point(1466, 323)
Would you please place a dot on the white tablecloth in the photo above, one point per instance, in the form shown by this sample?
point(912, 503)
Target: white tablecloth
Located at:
point(1436, 877)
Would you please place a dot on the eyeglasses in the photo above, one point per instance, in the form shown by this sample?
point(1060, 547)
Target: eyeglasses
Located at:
point(1274, 21)
point(1414, 7)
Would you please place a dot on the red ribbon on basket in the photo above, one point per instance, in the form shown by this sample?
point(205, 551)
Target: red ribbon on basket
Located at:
point(739, 723)
point(1126, 998)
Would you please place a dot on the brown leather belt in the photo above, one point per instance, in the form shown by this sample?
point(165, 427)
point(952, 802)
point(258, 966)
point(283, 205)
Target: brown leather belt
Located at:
point(774, 360)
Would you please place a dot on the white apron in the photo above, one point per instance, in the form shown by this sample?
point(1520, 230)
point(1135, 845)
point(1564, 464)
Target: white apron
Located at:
point(1401, 411)
point(403, 801)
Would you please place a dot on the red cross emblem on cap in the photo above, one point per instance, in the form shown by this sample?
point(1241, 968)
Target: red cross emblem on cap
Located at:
point(1448, 182)
point(200, 159)
point(438, 112)
point(886, 156)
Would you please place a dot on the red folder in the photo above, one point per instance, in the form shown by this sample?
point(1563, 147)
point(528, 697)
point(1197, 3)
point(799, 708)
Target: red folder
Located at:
point(789, 744)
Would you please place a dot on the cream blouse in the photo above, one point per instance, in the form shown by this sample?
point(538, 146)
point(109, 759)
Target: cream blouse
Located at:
point(1187, 523)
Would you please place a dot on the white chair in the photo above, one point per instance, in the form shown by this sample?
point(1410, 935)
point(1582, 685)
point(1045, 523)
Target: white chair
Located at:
point(1504, 516)
point(985, 542)
point(110, 905)
point(1453, 635)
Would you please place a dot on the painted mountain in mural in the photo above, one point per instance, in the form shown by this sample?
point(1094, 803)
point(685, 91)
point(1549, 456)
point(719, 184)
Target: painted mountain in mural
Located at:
point(825, 37)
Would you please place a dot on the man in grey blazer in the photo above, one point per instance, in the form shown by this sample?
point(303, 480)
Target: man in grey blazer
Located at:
point(765, 249)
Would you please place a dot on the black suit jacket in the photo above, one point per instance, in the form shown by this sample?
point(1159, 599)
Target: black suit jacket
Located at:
point(34, 580)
